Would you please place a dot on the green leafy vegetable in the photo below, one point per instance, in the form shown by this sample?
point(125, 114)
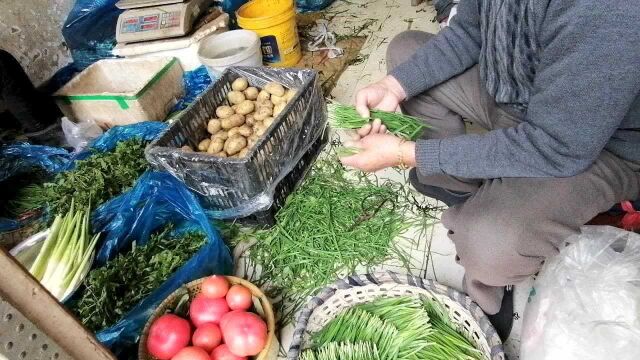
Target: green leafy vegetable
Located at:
point(92, 182)
point(111, 291)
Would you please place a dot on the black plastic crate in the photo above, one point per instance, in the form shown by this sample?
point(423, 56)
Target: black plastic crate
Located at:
point(239, 187)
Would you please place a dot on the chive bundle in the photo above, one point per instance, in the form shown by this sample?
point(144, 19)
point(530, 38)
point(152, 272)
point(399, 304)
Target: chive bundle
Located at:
point(343, 351)
point(346, 117)
point(405, 328)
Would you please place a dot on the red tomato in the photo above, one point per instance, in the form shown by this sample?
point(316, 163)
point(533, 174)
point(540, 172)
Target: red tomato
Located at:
point(207, 336)
point(244, 333)
point(222, 353)
point(215, 287)
point(239, 298)
point(227, 316)
point(192, 353)
point(206, 310)
point(168, 335)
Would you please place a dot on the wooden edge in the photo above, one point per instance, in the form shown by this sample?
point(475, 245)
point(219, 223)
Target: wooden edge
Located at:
point(26, 294)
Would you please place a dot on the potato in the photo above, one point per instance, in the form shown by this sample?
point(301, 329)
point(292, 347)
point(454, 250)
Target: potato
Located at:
point(221, 154)
point(214, 126)
point(215, 146)
point(204, 144)
point(224, 111)
point(187, 148)
point(276, 100)
point(234, 108)
point(239, 84)
point(268, 121)
point(235, 97)
point(262, 113)
point(252, 140)
point(249, 120)
point(245, 130)
point(264, 103)
point(234, 120)
point(290, 94)
point(263, 95)
point(274, 88)
point(245, 107)
point(235, 144)
point(251, 93)
point(243, 153)
point(222, 134)
point(235, 131)
point(259, 129)
point(278, 109)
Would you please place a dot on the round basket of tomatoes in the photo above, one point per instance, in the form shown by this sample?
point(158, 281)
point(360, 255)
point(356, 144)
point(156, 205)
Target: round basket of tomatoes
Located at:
point(213, 318)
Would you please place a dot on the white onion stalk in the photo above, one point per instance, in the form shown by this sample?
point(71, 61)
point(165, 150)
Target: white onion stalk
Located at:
point(66, 253)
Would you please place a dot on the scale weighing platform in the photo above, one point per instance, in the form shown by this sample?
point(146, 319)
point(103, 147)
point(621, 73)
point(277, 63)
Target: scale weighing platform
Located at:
point(146, 20)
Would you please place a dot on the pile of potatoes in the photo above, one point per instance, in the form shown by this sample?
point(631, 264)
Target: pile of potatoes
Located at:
point(236, 128)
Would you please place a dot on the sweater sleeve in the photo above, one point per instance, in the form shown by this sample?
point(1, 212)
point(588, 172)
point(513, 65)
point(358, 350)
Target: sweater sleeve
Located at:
point(452, 51)
point(586, 82)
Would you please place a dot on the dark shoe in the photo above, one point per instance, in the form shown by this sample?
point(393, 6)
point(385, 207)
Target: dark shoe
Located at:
point(448, 197)
point(503, 320)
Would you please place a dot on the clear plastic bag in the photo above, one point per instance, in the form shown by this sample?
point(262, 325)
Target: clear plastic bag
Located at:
point(79, 135)
point(585, 304)
point(156, 200)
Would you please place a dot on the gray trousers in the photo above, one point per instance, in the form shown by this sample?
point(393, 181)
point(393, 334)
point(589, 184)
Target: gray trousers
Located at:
point(509, 226)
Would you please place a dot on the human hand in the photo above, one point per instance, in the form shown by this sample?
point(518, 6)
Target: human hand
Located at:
point(385, 95)
point(377, 151)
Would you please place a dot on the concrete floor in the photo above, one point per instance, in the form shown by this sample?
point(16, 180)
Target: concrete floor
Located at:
point(386, 19)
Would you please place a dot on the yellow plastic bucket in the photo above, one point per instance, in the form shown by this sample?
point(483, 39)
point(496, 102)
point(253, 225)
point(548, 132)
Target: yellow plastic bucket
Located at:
point(275, 22)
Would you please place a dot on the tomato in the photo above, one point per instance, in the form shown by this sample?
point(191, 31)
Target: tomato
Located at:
point(239, 298)
point(244, 333)
point(207, 336)
point(168, 335)
point(222, 353)
point(215, 287)
point(204, 310)
point(192, 353)
point(227, 316)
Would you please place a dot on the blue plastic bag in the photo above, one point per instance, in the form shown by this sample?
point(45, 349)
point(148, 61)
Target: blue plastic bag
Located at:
point(90, 31)
point(312, 5)
point(195, 82)
point(24, 157)
point(156, 200)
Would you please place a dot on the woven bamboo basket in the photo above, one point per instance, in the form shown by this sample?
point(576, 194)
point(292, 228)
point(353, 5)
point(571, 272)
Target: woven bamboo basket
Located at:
point(270, 351)
point(354, 290)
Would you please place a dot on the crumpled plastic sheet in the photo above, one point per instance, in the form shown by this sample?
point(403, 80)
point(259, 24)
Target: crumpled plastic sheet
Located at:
point(90, 29)
point(156, 200)
point(236, 188)
point(195, 83)
point(23, 157)
point(585, 304)
point(146, 130)
point(312, 5)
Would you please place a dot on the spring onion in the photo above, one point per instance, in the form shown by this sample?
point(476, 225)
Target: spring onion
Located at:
point(66, 254)
point(346, 117)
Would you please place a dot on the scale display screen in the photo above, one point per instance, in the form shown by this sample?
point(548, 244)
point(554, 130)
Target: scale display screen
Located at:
point(150, 22)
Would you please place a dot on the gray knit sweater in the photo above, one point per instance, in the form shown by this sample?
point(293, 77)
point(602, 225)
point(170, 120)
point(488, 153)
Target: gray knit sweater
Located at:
point(583, 97)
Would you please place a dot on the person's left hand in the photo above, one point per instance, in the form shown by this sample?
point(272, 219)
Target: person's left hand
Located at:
point(379, 150)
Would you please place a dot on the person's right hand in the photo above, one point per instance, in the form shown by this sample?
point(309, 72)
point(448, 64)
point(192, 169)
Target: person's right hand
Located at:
point(385, 95)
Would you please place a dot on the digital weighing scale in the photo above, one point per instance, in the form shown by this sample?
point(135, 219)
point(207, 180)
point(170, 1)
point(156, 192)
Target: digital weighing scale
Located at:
point(157, 19)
